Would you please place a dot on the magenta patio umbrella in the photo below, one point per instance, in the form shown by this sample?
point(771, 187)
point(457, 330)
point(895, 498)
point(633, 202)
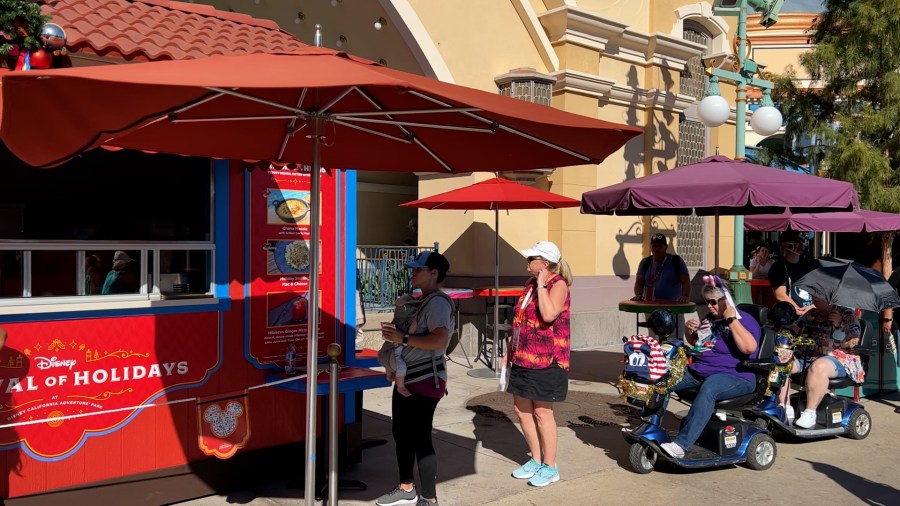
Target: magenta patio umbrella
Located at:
point(719, 185)
point(848, 221)
point(494, 194)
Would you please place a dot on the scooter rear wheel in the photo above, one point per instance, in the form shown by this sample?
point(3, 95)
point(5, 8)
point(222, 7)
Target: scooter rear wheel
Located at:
point(860, 424)
point(642, 458)
point(761, 452)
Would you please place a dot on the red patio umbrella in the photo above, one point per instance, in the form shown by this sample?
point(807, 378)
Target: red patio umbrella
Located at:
point(720, 185)
point(494, 194)
point(848, 221)
point(313, 106)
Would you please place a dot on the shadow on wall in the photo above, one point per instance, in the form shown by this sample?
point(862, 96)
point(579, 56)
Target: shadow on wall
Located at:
point(472, 255)
point(634, 235)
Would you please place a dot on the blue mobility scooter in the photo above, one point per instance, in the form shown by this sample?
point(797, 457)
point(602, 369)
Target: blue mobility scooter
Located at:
point(834, 415)
point(727, 439)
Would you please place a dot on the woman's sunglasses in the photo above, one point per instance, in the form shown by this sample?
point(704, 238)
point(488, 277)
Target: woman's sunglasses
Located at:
point(713, 302)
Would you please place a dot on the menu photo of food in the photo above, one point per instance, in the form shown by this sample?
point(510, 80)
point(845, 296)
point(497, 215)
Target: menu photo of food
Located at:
point(287, 308)
point(287, 256)
point(289, 207)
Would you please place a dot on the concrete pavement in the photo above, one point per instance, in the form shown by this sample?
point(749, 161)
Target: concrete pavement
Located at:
point(479, 445)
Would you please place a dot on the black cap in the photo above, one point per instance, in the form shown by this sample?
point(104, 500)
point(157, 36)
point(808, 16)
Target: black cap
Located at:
point(432, 260)
point(790, 236)
point(658, 238)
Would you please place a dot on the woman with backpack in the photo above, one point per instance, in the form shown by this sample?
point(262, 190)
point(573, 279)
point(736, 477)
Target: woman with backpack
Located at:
point(538, 358)
point(426, 381)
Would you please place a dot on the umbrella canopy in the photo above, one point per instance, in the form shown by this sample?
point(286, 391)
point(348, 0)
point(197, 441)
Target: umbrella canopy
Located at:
point(846, 221)
point(720, 185)
point(371, 117)
point(313, 106)
point(849, 284)
point(493, 194)
point(496, 194)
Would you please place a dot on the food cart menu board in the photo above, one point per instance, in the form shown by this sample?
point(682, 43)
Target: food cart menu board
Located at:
point(279, 255)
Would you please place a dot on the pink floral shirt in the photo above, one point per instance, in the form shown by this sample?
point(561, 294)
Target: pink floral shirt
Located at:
point(540, 344)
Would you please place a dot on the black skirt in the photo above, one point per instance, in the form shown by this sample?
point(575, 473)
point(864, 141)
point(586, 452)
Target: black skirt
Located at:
point(546, 385)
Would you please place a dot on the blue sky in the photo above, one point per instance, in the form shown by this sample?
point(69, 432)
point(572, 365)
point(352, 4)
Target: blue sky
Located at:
point(802, 6)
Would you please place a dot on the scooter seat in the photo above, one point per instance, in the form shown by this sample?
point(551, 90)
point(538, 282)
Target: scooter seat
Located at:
point(689, 394)
point(836, 383)
point(833, 383)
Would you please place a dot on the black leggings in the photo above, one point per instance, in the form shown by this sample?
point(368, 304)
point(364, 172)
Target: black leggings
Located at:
point(413, 417)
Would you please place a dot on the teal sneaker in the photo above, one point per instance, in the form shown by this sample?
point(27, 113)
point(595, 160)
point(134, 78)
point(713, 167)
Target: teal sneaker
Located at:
point(545, 476)
point(527, 471)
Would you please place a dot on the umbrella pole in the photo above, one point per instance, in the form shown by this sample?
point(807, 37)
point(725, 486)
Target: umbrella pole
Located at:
point(716, 265)
point(309, 490)
point(494, 361)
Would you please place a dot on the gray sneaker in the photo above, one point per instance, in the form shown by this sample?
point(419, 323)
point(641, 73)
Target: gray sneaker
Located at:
point(398, 496)
point(426, 502)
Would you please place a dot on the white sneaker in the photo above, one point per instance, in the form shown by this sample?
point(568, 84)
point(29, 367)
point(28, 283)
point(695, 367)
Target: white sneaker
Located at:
point(807, 419)
point(673, 450)
point(788, 413)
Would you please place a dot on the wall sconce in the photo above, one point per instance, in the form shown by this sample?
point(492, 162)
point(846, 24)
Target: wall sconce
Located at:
point(341, 41)
point(380, 23)
point(300, 17)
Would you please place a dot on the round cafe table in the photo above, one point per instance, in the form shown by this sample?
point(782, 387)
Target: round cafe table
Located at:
point(648, 306)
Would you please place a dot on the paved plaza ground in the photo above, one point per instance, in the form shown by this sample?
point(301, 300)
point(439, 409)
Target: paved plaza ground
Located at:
point(479, 444)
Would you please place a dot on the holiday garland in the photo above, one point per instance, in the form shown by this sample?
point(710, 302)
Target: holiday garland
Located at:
point(643, 391)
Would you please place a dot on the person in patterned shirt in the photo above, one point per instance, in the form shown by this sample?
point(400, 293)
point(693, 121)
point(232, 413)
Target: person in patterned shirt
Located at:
point(836, 332)
point(538, 358)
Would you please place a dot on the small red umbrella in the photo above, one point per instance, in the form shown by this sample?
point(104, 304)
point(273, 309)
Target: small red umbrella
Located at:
point(494, 194)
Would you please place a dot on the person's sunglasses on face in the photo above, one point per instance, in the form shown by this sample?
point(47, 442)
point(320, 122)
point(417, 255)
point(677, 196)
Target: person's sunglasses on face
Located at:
point(713, 302)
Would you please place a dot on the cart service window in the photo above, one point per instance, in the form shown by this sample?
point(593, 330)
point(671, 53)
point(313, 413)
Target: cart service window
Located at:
point(106, 226)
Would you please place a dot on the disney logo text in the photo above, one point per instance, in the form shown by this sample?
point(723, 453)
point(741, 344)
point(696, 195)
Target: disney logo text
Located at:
point(44, 363)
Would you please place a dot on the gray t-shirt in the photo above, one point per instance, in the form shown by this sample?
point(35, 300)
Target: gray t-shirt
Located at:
point(435, 311)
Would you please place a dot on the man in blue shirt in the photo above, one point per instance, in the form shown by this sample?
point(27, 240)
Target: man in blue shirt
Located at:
point(662, 275)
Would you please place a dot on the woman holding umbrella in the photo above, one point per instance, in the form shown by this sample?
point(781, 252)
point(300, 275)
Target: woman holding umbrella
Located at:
point(836, 332)
point(539, 358)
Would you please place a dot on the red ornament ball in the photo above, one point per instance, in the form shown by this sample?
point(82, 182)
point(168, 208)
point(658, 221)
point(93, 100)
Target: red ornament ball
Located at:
point(41, 59)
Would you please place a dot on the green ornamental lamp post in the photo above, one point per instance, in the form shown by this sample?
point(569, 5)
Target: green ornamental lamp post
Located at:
point(714, 110)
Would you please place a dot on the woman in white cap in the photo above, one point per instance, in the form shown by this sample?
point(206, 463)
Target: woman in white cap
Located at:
point(538, 358)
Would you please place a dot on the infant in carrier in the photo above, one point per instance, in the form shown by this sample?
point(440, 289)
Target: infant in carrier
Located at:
point(391, 354)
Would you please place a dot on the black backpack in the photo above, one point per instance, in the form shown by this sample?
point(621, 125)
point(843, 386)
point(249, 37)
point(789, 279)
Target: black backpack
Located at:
point(677, 262)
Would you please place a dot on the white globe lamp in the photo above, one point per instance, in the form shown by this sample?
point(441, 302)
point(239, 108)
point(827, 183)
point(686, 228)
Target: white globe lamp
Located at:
point(714, 111)
point(766, 121)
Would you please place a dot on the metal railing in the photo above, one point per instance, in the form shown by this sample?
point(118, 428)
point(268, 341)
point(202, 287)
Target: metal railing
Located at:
point(382, 275)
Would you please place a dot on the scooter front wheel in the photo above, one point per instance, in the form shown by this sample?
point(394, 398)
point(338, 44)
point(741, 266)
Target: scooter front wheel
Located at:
point(859, 425)
point(642, 458)
point(761, 452)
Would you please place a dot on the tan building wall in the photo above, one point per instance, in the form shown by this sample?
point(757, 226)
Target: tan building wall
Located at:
point(617, 61)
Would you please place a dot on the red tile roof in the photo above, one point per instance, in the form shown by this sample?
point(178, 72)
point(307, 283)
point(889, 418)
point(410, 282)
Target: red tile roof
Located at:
point(163, 30)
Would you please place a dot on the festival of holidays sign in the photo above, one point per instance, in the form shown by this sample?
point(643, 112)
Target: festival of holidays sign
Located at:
point(280, 253)
point(61, 382)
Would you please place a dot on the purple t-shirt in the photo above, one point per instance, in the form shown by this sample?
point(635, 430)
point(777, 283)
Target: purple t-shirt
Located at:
point(725, 357)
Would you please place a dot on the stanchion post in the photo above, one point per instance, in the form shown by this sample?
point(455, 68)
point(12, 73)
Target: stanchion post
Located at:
point(334, 350)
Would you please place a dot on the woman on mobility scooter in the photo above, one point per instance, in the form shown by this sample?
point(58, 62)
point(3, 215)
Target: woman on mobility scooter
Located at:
point(836, 332)
point(725, 339)
point(830, 415)
point(719, 345)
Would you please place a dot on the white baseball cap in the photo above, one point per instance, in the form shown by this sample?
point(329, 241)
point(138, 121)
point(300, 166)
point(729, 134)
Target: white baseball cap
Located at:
point(544, 249)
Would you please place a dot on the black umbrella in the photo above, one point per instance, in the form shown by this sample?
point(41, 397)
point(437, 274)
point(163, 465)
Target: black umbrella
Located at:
point(850, 284)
